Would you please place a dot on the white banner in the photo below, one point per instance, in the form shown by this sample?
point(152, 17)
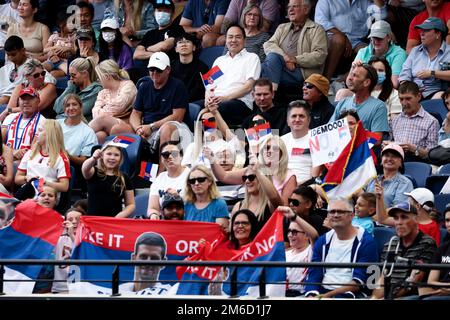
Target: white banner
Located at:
point(327, 142)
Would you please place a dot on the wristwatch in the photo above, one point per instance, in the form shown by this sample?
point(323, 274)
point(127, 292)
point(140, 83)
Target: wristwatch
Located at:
point(433, 73)
point(10, 110)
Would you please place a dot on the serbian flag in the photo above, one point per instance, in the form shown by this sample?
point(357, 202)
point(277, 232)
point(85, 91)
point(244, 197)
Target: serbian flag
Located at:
point(6, 198)
point(372, 138)
point(353, 169)
point(148, 171)
point(120, 141)
point(33, 234)
point(211, 75)
point(209, 124)
point(268, 245)
point(258, 134)
point(106, 238)
point(38, 185)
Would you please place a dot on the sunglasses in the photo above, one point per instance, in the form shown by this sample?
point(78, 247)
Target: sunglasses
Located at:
point(308, 85)
point(257, 122)
point(294, 202)
point(274, 148)
point(338, 212)
point(153, 69)
point(250, 177)
point(198, 179)
point(167, 154)
point(295, 232)
point(37, 75)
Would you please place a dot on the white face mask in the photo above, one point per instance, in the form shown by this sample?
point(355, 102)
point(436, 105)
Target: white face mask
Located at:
point(109, 36)
point(162, 18)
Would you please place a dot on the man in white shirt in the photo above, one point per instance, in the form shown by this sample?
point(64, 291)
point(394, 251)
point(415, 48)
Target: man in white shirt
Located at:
point(300, 162)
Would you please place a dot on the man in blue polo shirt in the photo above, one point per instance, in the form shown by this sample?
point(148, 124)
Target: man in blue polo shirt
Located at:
point(160, 105)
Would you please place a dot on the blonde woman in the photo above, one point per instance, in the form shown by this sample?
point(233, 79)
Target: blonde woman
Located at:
point(35, 76)
point(82, 82)
point(202, 198)
point(47, 159)
point(114, 103)
point(107, 186)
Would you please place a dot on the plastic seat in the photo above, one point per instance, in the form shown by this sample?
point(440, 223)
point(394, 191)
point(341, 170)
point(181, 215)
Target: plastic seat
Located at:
point(132, 153)
point(210, 54)
point(141, 202)
point(436, 182)
point(440, 201)
point(443, 234)
point(445, 169)
point(435, 106)
point(382, 235)
point(412, 180)
point(419, 171)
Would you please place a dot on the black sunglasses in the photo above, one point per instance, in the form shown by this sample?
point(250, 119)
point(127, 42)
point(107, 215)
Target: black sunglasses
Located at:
point(257, 122)
point(308, 85)
point(250, 177)
point(294, 232)
point(167, 154)
point(294, 202)
point(199, 179)
point(37, 75)
point(153, 69)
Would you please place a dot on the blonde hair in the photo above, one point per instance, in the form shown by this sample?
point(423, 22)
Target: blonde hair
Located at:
point(85, 64)
point(282, 166)
point(198, 136)
point(110, 67)
point(213, 191)
point(54, 142)
point(263, 200)
point(101, 170)
point(74, 96)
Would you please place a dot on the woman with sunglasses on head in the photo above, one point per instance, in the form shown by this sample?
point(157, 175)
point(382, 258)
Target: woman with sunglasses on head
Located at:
point(107, 186)
point(202, 198)
point(35, 76)
point(173, 180)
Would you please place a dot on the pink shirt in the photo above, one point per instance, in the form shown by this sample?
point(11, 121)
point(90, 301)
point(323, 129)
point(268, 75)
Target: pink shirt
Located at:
point(115, 103)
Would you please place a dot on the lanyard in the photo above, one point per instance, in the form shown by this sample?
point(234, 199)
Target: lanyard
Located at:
point(16, 127)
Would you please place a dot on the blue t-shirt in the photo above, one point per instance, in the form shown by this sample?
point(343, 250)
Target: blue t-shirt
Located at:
point(215, 209)
point(195, 10)
point(158, 104)
point(365, 222)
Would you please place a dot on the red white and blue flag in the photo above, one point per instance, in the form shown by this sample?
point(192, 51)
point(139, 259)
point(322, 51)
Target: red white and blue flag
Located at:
point(120, 141)
point(33, 234)
point(372, 138)
point(353, 169)
point(212, 75)
point(148, 171)
point(258, 134)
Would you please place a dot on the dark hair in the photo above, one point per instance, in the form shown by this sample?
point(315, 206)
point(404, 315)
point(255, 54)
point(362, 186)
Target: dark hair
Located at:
point(307, 193)
point(172, 143)
point(76, 209)
point(34, 4)
point(370, 198)
point(349, 112)
point(409, 87)
point(88, 5)
point(253, 226)
point(13, 43)
point(118, 44)
point(445, 95)
point(81, 204)
point(61, 17)
point(387, 86)
point(237, 26)
point(263, 82)
point(299, 104)
point(151, 239)
point(190, 36)
point(372, 75)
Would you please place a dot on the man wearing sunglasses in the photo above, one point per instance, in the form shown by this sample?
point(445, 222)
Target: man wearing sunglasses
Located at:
point(345, 243)
point(315, 93)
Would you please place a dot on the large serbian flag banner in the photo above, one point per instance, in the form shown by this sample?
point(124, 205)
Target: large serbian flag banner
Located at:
point(33, 234)
point(268, 245)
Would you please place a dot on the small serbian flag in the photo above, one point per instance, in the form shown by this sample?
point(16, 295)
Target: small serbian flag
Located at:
point(209, 124)
point(148, 171)
point(372, 138)
point(258, 133)
point(264, 130)
point(211, 75)
point(120, 141)
point(38, 185)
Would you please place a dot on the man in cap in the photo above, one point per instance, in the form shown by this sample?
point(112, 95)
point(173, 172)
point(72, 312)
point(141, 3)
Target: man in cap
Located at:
point(413, 246)
point(172, 207)
point(20, 129)
point(382, 45)
point(315, 93)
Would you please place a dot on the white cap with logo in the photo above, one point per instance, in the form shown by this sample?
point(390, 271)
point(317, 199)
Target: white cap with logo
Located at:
point(159, 60)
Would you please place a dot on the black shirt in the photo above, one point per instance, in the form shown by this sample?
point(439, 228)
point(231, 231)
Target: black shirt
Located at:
point(189, 74)
point(155, 36)
point(442, 255)
point(321, 113)
point(275, 115)
point(104, 195)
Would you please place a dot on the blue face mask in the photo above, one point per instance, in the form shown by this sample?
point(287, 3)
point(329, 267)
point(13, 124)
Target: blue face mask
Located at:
point(162, 18)
point(381, 77)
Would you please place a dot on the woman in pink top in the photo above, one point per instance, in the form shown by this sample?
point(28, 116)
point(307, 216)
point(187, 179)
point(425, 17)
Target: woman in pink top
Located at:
point(114, 103)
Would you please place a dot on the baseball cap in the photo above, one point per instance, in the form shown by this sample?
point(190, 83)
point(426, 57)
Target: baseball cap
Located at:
point(85, 33)
point(159, 60)
point(394, 147)
point(169, 199)
point(164, 4)
point(402, 206)
point(432, 23)
point(421, 195)
point(110, 23)
point(320, 82)
point(29, 91)
point(380, 29)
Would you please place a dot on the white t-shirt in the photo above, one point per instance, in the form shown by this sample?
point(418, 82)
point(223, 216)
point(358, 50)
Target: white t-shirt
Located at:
point(340, 251)
point(164, 182)
point(63, 251)
point(294, 275)
point(299, 160)
point(16, 137)
point(39, 166)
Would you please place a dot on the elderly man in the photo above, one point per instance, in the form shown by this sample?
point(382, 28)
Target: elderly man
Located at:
point(19, 130)
point(414, 246)
point(345, 243)
point(297, 49)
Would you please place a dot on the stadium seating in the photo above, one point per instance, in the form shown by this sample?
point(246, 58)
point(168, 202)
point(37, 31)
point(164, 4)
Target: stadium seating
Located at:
point(436, 182)
point(208, 55)
point(443, 234)
point(141, 202)
point(132, 154)
point(382, 235)
point(419, 171)
point(435, 106)
point(440, 201)
point(412, 180)
point(445, 169)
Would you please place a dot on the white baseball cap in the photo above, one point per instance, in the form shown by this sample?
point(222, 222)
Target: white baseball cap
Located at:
point(421, 195)
point(159, 60)
point(110, 23)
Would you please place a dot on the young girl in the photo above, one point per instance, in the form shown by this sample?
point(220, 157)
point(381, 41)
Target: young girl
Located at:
point(59, 47)
point(47, 197)
point(107, 186)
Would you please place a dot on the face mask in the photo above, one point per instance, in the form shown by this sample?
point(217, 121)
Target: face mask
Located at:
point(381, 77)
point(109, 36)
point(162, 18)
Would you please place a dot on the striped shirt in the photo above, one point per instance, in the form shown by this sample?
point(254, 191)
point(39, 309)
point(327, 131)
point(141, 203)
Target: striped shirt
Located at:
point(422, 249)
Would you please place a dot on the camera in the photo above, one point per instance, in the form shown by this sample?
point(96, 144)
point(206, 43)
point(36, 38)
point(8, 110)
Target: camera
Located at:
point(445, 65)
